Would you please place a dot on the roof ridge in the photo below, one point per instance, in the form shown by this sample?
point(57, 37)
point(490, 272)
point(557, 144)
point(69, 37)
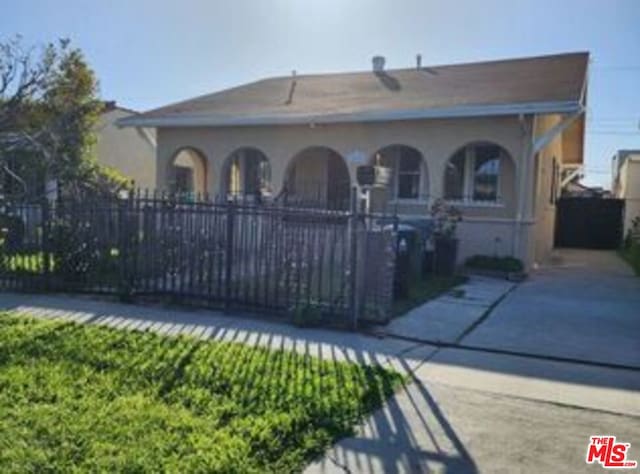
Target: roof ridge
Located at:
point(439, 66)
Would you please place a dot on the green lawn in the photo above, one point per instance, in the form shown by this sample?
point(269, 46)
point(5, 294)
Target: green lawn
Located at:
point(423, 290)
point(77, 398)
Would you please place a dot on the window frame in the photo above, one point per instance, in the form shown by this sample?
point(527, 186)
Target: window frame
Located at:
point(555, 174)
point(398, 172)
point(469, 177)
point(390, 157)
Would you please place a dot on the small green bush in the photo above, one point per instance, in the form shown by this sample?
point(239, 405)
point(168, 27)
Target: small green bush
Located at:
point(11, 232)
point(631, 253)
point(501, 264)
point(307, 316)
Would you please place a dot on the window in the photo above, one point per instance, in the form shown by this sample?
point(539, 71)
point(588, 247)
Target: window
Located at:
point(486, 172)
point(406, 165)
point(408, 186)
point(473, 173)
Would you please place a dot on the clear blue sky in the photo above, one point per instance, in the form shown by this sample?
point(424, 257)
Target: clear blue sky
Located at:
point(148, 53)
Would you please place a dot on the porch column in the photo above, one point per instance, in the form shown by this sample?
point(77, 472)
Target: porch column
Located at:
point(435, 171)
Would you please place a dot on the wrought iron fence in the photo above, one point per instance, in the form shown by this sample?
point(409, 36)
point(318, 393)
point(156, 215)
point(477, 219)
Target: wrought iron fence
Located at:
point(309, 263)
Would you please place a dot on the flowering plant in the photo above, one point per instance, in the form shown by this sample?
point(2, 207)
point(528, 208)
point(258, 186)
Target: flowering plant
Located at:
point(445, 219)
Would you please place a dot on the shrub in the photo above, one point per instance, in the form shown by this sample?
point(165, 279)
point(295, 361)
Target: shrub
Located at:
point(445, 219)
point(12, 232)
point(307, 316)
point(630, 250)
point(78, 257)
point(502, 264)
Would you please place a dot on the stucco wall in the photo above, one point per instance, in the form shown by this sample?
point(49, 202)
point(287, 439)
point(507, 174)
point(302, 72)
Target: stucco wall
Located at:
point(126, 149)
point(437, 140)
point(630, 189)
point(544, 212)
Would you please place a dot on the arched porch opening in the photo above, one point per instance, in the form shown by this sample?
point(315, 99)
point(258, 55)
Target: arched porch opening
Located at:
point(317, 177)
point(187, 172)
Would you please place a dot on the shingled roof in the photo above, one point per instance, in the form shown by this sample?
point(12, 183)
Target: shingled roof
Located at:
point(542, 84)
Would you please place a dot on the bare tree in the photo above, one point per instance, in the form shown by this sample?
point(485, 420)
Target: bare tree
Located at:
point(24, 76)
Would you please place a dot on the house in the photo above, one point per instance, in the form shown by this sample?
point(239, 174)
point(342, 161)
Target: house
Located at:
point(132, 151)
point(626, 183)
point(494, 138)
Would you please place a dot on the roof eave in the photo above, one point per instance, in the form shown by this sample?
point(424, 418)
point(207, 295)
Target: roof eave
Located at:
point(369, 116)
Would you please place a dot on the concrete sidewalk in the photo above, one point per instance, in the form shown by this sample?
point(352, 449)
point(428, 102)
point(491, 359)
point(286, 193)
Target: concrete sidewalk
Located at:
point(464, 411)
point(403, 356)
point(445, 319)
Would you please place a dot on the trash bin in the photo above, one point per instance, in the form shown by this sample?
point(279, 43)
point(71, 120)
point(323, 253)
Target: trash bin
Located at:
point(408, 259)
point(446, 255)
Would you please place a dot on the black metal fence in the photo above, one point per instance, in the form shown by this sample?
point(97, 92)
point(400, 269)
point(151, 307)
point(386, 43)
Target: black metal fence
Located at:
point(309, 263)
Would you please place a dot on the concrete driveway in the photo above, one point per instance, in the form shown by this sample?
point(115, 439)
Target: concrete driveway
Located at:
point(477, 406)
point(585, 306)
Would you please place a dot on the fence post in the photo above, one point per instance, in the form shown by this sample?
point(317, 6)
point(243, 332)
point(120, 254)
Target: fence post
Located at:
point(45, 245)
point(353, 261)
point(229, 254)
point(123, 224)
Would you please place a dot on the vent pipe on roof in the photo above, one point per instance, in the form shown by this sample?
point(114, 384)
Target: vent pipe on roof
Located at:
point(378, 63)
point(418, 61)
point(292, 88)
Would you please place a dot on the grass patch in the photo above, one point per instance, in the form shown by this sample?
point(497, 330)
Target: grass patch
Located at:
point(423, 290)
point(501, 264)
point(87, 398)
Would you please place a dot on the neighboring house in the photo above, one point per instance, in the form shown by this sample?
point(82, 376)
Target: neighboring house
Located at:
point(130, 150)
point(626, 183)
point(494, 138)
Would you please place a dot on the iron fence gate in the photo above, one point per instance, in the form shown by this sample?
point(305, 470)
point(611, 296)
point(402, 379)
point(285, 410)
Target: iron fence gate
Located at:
point(307, 262)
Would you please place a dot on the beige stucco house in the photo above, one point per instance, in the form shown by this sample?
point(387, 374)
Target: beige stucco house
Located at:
point(626, 184)
point(494, 138)
point(132, 151)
